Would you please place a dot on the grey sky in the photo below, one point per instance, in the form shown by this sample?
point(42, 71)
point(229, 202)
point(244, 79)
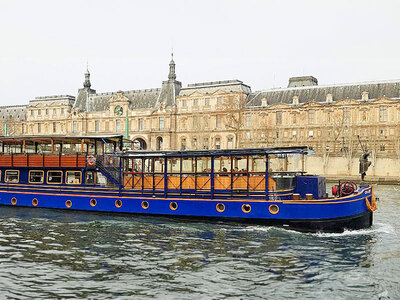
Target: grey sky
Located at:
point(44, 45)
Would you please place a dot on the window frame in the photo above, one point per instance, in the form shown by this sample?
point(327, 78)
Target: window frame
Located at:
point(47, 177)
point(94, 177)
point(5, 176)
point(161, 124)
point(29, 176)
point(71, 183)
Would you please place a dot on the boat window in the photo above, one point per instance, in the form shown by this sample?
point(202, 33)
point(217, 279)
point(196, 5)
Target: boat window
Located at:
point(128, 165)
point(174, 165)
point(148, 165)
point(188, 165)
point(137, 165)
point(222, 165)
point(90, 177)
point(278, 163)
point(239, 165)
point(101, 179)
point(203, 165)
point(12, 176)
point(73, 177)
point(257, 163)
point(36, 176)
point(159, 165)
point(54, 177)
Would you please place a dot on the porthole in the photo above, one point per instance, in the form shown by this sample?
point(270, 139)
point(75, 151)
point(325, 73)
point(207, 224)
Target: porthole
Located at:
point(220, 207)
point(145, 204)
point(118, 203)
point(93, 202)
point(274, 209)
point(14, 201)
point(246, 208)
point(173, 206)
point(68, 203)
point(35, 202)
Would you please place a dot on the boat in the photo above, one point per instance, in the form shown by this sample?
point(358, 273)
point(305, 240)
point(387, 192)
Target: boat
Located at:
point(266, 186)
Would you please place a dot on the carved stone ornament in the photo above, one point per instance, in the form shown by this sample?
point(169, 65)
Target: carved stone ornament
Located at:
point(119, 97)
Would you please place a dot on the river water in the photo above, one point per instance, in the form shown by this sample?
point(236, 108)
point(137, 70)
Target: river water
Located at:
point(53, 254)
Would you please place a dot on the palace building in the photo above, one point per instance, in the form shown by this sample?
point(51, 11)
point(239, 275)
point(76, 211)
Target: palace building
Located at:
point(334, 120)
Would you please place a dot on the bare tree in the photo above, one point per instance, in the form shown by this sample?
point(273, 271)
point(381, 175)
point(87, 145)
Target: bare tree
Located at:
point(234, 107)
point(333, 133)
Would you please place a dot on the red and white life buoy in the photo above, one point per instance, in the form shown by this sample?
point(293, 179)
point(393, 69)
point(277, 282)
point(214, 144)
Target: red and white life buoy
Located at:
point(91, 160)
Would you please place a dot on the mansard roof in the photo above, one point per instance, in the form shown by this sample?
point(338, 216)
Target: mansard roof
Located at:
point(138, 99)
point(213, 86)
point(317, 93)
point(16, 112)
point(48, 100)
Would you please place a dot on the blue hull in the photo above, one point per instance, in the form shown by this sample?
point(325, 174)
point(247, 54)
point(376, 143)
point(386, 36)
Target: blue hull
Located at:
point(334, 214)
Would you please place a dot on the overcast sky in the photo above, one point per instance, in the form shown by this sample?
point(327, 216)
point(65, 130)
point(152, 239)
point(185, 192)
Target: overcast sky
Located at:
point(44, 45)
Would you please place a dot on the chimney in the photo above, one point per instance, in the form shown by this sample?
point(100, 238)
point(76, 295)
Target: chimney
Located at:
point(329, 98)
point(302, 81)
point(295, 100)
point(264, 102)
point(364, 96)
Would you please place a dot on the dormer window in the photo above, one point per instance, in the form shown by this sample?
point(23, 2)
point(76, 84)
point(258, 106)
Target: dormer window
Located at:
point(382, 113)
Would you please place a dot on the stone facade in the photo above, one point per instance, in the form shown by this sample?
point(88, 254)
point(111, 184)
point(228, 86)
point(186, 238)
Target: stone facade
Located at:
point(330, 119)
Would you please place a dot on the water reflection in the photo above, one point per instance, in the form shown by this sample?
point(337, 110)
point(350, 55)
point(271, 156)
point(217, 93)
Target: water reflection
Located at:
point(54, 254)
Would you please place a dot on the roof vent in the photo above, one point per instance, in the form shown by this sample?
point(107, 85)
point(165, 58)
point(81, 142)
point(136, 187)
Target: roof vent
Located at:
point(302, 81)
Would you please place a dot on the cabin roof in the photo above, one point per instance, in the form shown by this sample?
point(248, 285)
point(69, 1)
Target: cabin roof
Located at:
point(191, 153)
point(56, 139)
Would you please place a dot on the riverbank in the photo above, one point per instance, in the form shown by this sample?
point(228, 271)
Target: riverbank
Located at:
point(389, 180)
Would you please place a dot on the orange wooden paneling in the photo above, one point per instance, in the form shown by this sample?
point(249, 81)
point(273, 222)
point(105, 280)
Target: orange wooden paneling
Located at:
point(137, 182)
point(256, 183)
point(188, 183)
point(20, 161)
point(271, 184)
point(222, 182)
point(82, 161)
point(174, 182)
point(148, 182)
point(35, 161)
point(128, 181)
point(51, 161)
point(68, 161)
point(240, 182)
point(5, 160)
point(158, 182)
point(203, 182)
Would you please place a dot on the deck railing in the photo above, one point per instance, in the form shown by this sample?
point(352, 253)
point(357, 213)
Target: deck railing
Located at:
point(77, 160)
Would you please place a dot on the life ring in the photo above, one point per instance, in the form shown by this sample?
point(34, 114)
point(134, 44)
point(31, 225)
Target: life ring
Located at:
point(91, 160)
point(371, 206)
point(347, 188)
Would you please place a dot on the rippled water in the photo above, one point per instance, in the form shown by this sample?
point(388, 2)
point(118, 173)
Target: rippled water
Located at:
point(54, 254)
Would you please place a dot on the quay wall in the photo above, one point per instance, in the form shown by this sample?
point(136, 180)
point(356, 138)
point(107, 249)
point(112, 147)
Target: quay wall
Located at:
point(382, 169)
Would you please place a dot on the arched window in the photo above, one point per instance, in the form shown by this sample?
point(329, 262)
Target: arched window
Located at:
point(159, 143)
point(139, 144)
